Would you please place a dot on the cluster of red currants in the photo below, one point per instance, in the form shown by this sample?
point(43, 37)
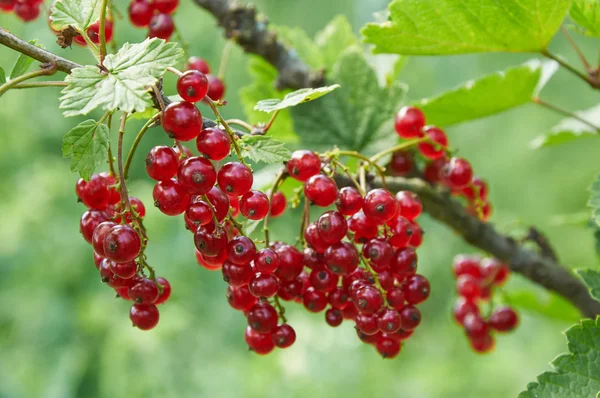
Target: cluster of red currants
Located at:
point(117, 238)
point(26, 10)
point(453, 172)
point(154, 15)
point(476, 280)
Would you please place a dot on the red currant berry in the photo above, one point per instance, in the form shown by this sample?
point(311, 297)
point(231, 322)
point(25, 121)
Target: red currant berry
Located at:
point(380, 205)
point(321, 190)
point(404, 262)
point(182, 121)
point(192, 86)
point(312, 259)
point(411, 317)
point(123, 270)
point(216, 88)
point(211, 263)
point(266, 261)
point(93, 193)
point(400, 335)
point(278, 204)
point(93, 32)
point(262, 318)
point(341, 258)
point(504, 319)
point(199, 213)
point(27, 11)
point(416, 289)
point(314, 240)
point(388, 348)
point(314, 300)
point(264, 285)
point(262, 344)
point(350, 312)
point(197, 175)
point(409, 204)
point(234, 178)
point(140, 13)
point(475, 326)
point(402, 163)
point(349, 201)
point(323, 280)
point(367, 323)
point(332, 227)
point(254, 205)
point(303, 165)
point(433, 170)
point(457, 173)
point(122, 244)
point(144, 292)
point(368, 300)
point(334, 317)
point(379, 252)
point(166, 290)
point(214, 143)
point(144, 316)
point(417, 235)
point(284, 336)
point(237, 275)
point(395, 298)
point(198, 64)
point(478, 188)
point(291, 262)
point(389, 321)
point(170, 197)
point(364, 229)
point(210, 243)
point(338, 298)
point(98, 237)
point(409, 122)
point(467, 265)
point(402, 232)
point(483, 344)
point(290, 290)
point(165, 6)
point(241, 250)
point(240, 298)
point(437, 144)
point(468, 287)
point(462, 308)
point(161, 26)
point(89, 221)
point(494, 271)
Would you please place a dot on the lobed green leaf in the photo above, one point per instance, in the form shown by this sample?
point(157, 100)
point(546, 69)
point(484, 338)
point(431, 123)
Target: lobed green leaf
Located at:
point(294, 98)
point(570, 129)
point(87, 145)
point(263, 148)
point(586, 13)
point(79, 14)
point(591, 277)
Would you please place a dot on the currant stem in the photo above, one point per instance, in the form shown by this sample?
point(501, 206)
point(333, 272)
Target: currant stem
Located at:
point(280, 309)
point(124, 196)
point(175, 71)
point(369, 269)
point(304, 223)
point(399, 147)
point(350, 176)
point(592, 82)
point(380, 170)
point(44, 71)
point(136, 142)
point(184, 44)
point(557, 109)
point(271, 121)
point(212, 210)
point(580, 54)
point(111, 164)
point(224, 59)
point(241, 123)
point(102, 34)
point(236, 224)
point(281, 176)
point(39, 85)
point(232, 136)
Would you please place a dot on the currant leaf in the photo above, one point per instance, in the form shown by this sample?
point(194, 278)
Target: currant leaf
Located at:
point(334, 39)
point(591, 277)
point(125, 86)
point(512, 87)
point(576, 373)
point(570, 129)
point(294, 98)
point(594, 201)
point(440, 27)
point(23, 62)
point(87, 145)
point(586, 13)
point(79, 14)
point(2, 76)
point(262, 148)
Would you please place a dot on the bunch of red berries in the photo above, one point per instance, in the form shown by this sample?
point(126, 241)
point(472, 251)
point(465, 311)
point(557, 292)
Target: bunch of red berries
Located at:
point(155, 15)
point(113, 227)
point(453, 172)
point(26, 10)
point(476, 280)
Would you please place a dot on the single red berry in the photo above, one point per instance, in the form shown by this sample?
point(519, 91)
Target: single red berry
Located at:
point(433, 170)
point(409, 122)
point(483, 344)
point(137, 206)
point(237, 275)
point(254, 205)
point(314, 300)
point(182, 121)
point(409, 204)
point(400, 335)
point(278, 204)
point(504, 319)
point(475, 326)
point(124, 270)
point(241, 250)
point(338, 298)
point(380, 205)
point(26, 11)
point(220, 202)
point(323, 280)
point(411, 317)
point(457, 173)
point(144, 292)
point(165, 6)
point(214, 143)
point(122, 244)
point(192, 86)
point(166, 290)
point(98, 237)
point(7, 5)
point(216, 88)
point(197, 175)
point(93, 193)
point(368, 300)
point(477, 188)
point(262, 318)
point(462, 308)
point(312, 259)
point(334, 317)
point(494, 271)
point(395, 298)
point(170, 197)
point(389, 321)
point(467, 265)
point(321, 190)
point(235, 178)
point(97, 260)
point(364, 229)
point(404, 262)
point(388, 348)
point(93, 32)
point(198, 64)
point(290, 290)
point(379, 252)
point(240, 298)
point(140, 13)
point(199, 213)
point(264, 285)
point(284, 336)
point(266, 261)
point(387, 279)
point(435, 148)
point(417, 235)
point(349, 201)
point(402, 232)
point(313, 238)
point(210, 243)
point(262, 344)
point(303, 164)
point(468, 287)
point(144, 316)
point(161, 26)
point(350, 312)
point(367, 323)
point(332, 227)
point(368, 339)
point(291, 262)
point(416, 289)
point(211, 263)
point(401, 164)
point(89, 221)
point(341, 258)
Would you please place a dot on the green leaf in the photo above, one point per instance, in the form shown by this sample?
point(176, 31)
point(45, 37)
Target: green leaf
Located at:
point(575, 374)
point(334, 39)
point(125, 86)
point(79, 14)
point(570, 129)
point(294, 98)
point(87, 146)
point(2, 76)
point(591, 277)
point(23, 62)
point(352, 116)
point(547, 304)
point(510, 88)
point(263, 148)
point(586, 13)
point(594, 201)
point(440, 27)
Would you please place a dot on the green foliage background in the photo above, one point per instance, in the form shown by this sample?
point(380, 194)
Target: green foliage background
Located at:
point(63, 335)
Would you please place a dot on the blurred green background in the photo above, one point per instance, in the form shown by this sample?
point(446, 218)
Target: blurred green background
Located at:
point(62, 333)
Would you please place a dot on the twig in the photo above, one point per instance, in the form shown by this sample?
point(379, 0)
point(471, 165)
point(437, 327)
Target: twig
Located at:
point(564, 112)
point(136, 142)
point(102, 32)
point(230, 132)
point(39, 85)
point(281, 176)
point(224, 59)
point(46, 70)
point(593, 82)
point(582, 57)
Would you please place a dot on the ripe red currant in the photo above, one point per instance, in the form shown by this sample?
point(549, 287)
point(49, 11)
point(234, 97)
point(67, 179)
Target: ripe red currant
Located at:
point(284, 336)
point(314, 300)
point(240, 298)
point(411, 317)
point(266, 261)
point(198, 64)
point(262, 344)
point(437, 144)
point(182, 120)
point(290, 262)
point(409, 205)
point(197, 175)
point(368, 300)
point(341, 258)
point(332, 227)
point(504, 319)
point(214, 143)
point(161, 26)
point(144, 292)
point(236, 275)
point(416, 289)
point(320, 190)
point(457, 173)
point(303, 164)
point(349, 201)
point(98, 237)
point(387, 347)
point(367, 323)
point(462, 308)
point(166, 290)
point(89, 221)
point(140, 13)
point(389, 321)
point(241, 250)
point(334, 317)
point(144, 316)
point(278, 204)
point(264, 285)
point(122, 244)
point(170, 197)
point(254, 205)
point(468, 287)
point(93, 193)
point(192, 86)
point(235, 178)
point(262, 318)
point(402, 163)
point(404, 262)
point(379, 252)
point(380, 205)
point(220, 202)
point(165, 6)
point(216, 88)
point(409, 122)
point(210, 243)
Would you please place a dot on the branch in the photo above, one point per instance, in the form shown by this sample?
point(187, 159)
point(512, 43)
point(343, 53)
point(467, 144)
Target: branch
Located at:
point(12, 41)
point(542, 270)
point(251, 32)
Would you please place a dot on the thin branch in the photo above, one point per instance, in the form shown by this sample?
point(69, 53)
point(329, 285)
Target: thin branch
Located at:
point(540, 269)
point(593, 82)
point(582, 57)
point(46, 70)
point(102, 32)
point(564, 112)
point(39, 85)
point(136, 142)
point(242, 24)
